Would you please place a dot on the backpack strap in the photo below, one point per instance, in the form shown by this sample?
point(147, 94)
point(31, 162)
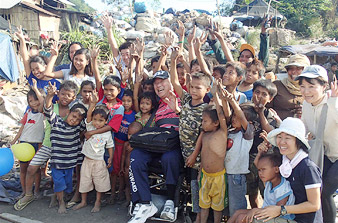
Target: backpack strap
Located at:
point(150, 120)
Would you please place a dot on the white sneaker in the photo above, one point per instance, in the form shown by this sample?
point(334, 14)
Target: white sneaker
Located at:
point(168, 212)
point(132, 210)
point(143, 212)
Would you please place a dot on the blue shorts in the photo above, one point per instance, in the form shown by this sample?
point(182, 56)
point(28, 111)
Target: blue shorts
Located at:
point(36, 148)
point(63, 179)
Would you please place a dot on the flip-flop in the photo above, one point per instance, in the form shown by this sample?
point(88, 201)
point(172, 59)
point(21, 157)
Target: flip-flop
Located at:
point(21, 205)
point(70, 204)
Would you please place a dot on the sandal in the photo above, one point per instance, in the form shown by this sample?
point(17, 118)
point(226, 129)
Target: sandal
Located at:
point(70, 204)
point(21, 205)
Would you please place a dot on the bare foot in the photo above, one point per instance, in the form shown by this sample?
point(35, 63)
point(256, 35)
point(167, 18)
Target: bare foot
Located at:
point(76, 198)
point(96, 208)
point(53, 201)
point(81, 205)
point(62, 208)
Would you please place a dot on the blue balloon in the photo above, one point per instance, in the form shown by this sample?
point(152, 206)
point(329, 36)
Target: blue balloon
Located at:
point(6, 160)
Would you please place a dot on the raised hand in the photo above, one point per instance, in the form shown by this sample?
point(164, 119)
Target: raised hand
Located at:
point(175, 53)
point(139, 45)
point(125, 75)
point(225, 95)
point(20, 34)
point(164, 50)
point(138, 77)
point(172, 102)
point(169, 38)
point(181, 29)
point(107, 21)
point(54, 48)
point(95, 51)
point(51, 89)
point(93, 98)
point(334, 87)
point(118, 64)
point(191, 35)
point(35, 86)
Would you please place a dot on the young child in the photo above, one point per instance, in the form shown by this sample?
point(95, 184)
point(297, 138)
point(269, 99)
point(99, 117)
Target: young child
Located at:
point(237, 158)
point(212, 181)
point(32, 132)
point(86, 90)
point(65, 140)
point(182, 76)
point(94, 172)
point(190, 122)
point(263, 92)
point(218, 72)
point(147, 86)
point(120, 138)
point(277, 189)
point(125, 161)
point(254, 72)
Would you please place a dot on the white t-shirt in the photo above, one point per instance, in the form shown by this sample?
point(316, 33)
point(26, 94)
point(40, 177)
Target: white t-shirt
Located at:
point(94, 147)
point(237, 158)
point(33, 130)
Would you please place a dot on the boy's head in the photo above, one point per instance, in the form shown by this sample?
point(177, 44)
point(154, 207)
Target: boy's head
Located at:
point(100, 116)
point(218, 72)
point(111, 87)
point(263, 92)
point(199, 85)
point(154, 62)
point(195, 66)
point(334, 67)
point(125, 52)
point(254, 71)
point(268, 166)
point(181, 73)
point(33, 100)
point(249, 112)
point(133, 128)
point(234, 73)
point(76, 114)
point(67, 92)
point(210, 120)
point(127, 100)
point(147, 85)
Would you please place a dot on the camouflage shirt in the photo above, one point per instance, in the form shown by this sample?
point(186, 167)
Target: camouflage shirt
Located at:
point(190, 126)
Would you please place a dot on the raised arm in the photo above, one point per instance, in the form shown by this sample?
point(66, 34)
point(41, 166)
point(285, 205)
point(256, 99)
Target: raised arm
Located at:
point(197, 46)
point(220, 113)
point(51, 92)
point(190, 39)
point(263, 54)
point(180, 31)
point(224, 46)
point(94, 53)
point(138, 80)
point(173, 73)
point(108, 24)
point(23, 51)
point(139, 47)
point(93, 98)
point(38, 95)
point(50, 66)
point(162, 59)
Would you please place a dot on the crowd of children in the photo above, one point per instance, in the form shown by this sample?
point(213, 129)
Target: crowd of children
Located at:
point(232, 142)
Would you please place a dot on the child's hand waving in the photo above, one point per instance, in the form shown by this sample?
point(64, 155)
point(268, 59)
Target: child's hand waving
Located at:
point(51, 89)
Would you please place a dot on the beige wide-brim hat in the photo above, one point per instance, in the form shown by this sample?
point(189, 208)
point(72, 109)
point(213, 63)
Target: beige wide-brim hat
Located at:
point(298, 60)
point(291, 126)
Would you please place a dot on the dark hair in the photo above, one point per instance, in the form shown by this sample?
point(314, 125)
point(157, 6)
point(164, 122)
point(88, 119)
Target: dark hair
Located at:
point(301, 145)
point(128, 93)
point(79, 108)
point(101, 110)
point(268, 85)
point(274, 158)
point(249, 111)
point(73, 43)
point(134, 127)
point(38, 59)
point(195, 61)
point(240, 53)
point(32, 93)
point(238, 66)
point(156, 59)
point(151, 96)
point(203, 77)
point(319, 80)
point(220, 69)
point(334, 64)
point(125, 45)
point(211, 111)
point(87, 82)
point(69, 85)
point(113, 80)
point(259, 65)
point(148, 81)
point(180, 65)
point(88, 68)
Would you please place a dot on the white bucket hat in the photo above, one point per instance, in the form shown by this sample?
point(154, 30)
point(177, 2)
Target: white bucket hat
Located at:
point(291, 126)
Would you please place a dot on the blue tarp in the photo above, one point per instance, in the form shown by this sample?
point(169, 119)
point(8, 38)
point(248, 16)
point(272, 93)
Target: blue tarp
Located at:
point(8, 65)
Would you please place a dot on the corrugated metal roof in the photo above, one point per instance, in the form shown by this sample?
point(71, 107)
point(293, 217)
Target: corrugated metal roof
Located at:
point(5, 4)
point(39, 9)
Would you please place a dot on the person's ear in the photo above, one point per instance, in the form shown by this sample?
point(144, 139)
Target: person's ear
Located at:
point(276, 169)
point(270, 99)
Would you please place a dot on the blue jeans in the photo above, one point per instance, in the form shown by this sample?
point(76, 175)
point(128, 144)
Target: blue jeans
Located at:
point(237, 192)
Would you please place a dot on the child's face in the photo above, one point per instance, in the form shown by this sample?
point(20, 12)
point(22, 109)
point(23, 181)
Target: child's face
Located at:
point(252, 74)
point(148, 88)
point(216, 74)
point(154, 65)
point(181, 75)
point(207, 124)
point(125, 54)
point(230, 77)
point(235, 122)
point(74, 118)
point(38, 69)
point(197, 89)
point(66, 97)
point(195, 69)
point(98, 121)
point(127, 102)
point(334, 68)
point(266, 170)
point(146, 105)
point(86, 91)
point(110, 92)
point(33, 103)
point(80, 62)
point(261, 96)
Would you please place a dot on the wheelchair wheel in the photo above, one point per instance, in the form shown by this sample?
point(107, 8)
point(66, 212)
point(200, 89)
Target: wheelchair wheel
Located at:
point(187, 219)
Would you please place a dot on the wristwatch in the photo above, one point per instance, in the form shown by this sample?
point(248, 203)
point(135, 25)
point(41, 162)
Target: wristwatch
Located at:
point(283, 210)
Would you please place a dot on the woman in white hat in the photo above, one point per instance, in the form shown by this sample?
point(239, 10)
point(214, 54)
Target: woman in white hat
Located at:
point(300, 171)
point(313, 83)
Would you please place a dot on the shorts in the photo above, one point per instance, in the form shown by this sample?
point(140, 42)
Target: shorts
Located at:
point(35, 146)
point(42, 156)
point(212, 190)
point(117, 156)
point(63, 180)
point(252, 178)
point(94, 173)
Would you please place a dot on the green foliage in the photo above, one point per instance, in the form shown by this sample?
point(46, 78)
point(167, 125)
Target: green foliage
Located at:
point(81, 6)
point(252, 38)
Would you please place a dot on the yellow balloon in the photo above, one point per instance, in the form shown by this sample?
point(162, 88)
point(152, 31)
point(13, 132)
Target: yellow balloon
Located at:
point(23, 151)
